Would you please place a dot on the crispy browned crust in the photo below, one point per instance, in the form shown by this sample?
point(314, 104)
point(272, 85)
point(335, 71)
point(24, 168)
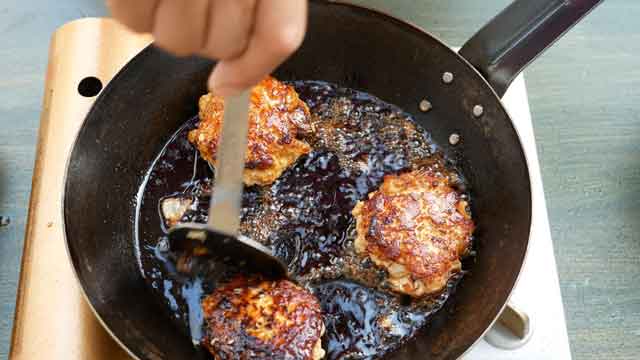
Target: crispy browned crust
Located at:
point(277, 119)
point(417, 227)
point(255, 319)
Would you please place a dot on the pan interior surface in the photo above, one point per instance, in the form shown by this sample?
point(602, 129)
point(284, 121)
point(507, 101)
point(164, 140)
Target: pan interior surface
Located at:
point(155, 93)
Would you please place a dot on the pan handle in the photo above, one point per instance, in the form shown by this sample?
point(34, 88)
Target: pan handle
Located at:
point(519, 34)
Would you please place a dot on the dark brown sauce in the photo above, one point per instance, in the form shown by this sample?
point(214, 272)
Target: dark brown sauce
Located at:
point(305, 217)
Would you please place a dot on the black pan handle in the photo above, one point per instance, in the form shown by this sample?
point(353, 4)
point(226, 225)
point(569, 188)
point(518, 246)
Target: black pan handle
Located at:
point(519, 34)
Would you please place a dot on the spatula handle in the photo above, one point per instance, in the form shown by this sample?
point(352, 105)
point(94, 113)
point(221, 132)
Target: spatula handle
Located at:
point(226, 201)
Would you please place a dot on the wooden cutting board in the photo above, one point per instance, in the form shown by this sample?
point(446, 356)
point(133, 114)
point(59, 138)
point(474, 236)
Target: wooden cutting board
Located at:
point(53, 320)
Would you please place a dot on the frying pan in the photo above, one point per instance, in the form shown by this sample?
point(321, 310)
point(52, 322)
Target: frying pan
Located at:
point(354, 47)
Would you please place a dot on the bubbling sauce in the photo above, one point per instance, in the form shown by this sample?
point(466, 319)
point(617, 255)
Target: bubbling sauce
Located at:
point(305, 217)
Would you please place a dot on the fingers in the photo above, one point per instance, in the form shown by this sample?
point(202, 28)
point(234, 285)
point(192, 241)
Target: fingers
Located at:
point(230, 25)
point(250, 37)
point(217, 29)
point(279, 28)
point(180, 25)
point(138, 15)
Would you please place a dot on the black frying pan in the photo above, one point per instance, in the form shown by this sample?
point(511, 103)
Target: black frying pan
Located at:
point(353, 47)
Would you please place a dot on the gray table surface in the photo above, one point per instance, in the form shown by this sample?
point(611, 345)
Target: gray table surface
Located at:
point(585, 100)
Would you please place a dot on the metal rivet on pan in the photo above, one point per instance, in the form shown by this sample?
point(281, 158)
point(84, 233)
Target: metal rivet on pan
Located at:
point(454, 139)
point(447, 77)
point(478, 110)
point(425, 105)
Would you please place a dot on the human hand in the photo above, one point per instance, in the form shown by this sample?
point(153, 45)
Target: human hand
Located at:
point(249, 38)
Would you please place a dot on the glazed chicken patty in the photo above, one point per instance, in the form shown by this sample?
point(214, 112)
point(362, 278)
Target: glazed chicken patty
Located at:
point(277, 120)
point(416, 227)
point(251, 318)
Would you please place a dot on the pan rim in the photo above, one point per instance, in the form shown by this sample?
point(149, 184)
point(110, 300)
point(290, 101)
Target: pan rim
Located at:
point(376, 12)
point(107, 89)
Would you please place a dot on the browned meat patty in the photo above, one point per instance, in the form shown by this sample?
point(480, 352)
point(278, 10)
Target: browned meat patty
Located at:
point(416, 227)
point(251, 318)
point(277, 120)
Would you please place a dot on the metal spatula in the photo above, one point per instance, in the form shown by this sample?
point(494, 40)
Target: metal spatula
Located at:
point(219, 238)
